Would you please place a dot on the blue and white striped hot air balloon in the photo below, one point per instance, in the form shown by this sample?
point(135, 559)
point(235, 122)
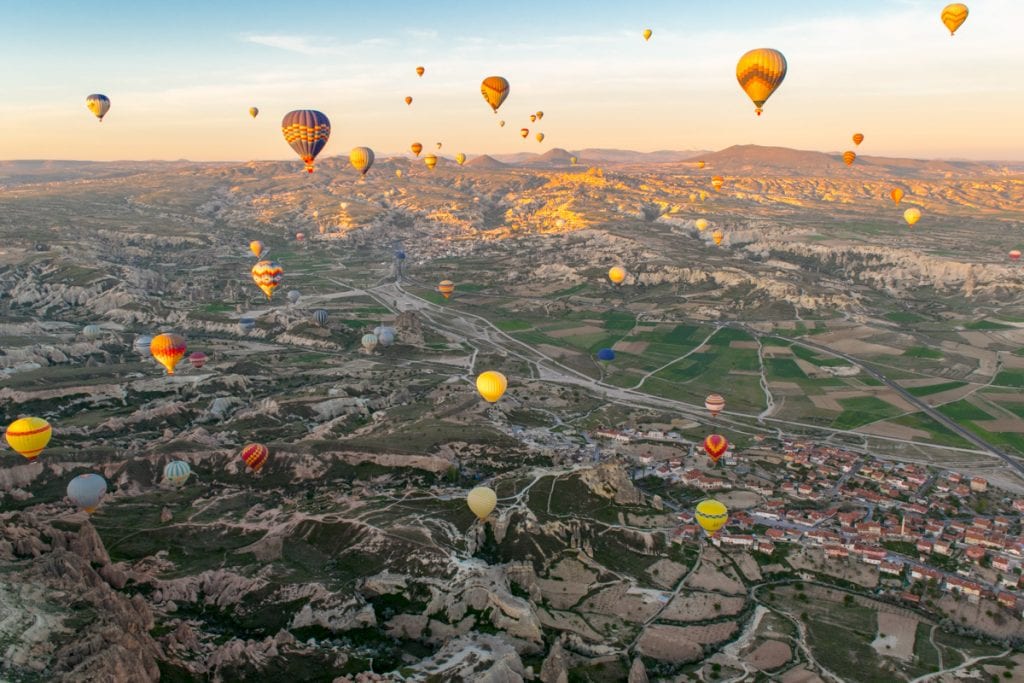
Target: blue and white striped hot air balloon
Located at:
point(177, 472)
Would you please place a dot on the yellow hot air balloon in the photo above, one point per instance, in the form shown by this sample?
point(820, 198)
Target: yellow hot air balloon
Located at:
point(482, 501)
point(896, 195)
point(954, 15)
point(648, 33)
point(416, 148)
point(711, 515)
point(540, 137)
point(912, 216)
point(460, 158)
point(28, 436)
point(701, 224)
point(573, 160)
point(701, 164)
point(398, 172)
point(446, 288)
point(524, 132)
point(361, 159)
point(703, 195)
point(254, 112)
point(849, 157)
point(256, 247)
point(168, 349)
point(717, 182)
point(858, 138)
point(495, 90)
point(408, 100)
point(419, 71)
point(718, 236)
point(760, 72)
point(617, 274)
point(533, 117)
point(491, 385)
point(430, 160)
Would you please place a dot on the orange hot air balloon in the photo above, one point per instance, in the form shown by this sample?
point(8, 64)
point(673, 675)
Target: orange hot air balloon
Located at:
point(718, 236)
point(849, 157)
point(540, 115)
point(494, 89)
point(701, 164)
point(256, 247)
point(28, 436)
point(617, 274)
point(419, 71)
point(524, 131)
point(717, 182)
point(255, 455)
point(1015, 255)
point(446, 288)
point(858, 138)
point(715, 445)
point(430, 160)
point(897, 195)
point(168, 349)
point(953, 16)
point(533, 117)
point(408, 100)
point(416, 148)
point(760, 72)
point(267, 276)
point(715, 404)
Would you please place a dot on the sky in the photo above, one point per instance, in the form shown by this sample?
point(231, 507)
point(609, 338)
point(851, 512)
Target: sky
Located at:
point(181, 76)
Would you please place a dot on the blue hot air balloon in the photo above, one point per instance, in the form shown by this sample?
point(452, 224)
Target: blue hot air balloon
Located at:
point(306, 130)
point(176, 472)
point(86, 490)
point(606, 355)
point(246, 325)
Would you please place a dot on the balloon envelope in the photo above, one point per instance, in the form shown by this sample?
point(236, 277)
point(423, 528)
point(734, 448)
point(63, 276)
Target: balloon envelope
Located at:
point(897, 195)
point(86, 491)
point(606, 355)
point(482, 501)
point(416, 148)
point(168, 349)
point(715, 404)
point(28, 436)
point(912, 216)
point(849, 157)
point(954, 15)
point(715, 445)
point(256, 247)
point(246, 324)
point(361, 159)
point(446, 288)
point(491, 385)
point(176, 472)
point(254, 112)
point(306, 131)
point(858, 138)
point(494, 89)
point(430, 160)
point(92, 331)
point(254, 455)
point(711, 515)
point(701, 224)
point(98, 104)
point(386, 336)
point(294, 295)
point(267, 276)
point(320, 317)
point(760, 72)
point(197, 359)
point(369, 342)
point(648, 33)
point(617, 274)
point(142, 343)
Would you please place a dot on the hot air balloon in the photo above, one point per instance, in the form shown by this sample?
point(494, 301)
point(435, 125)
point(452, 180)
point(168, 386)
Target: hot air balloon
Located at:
point(711, 515)
point(98, 104)
point(701, 224)
point(254, 112)
point(715, 404)
point(573, 160)
point(142, 343)
point(912, 216)
point(533, 118)
point(431, 161)
point(438, 145)
point(446, 288)
point(482, 501)
point(92, 331)
point(491, 385)
point(858, 138)
point(408, 100)
point(294, 295)
point(954, 15)
point(416, 148)
point(419, 71)
point(617, 274)
point(168, 349)
point(177, 472)
point(501, 124)
point(703, 195)
point(254, 455)
point(760, 72)
point(715, 445)
point(386, 337)
point(460, 158)
point(647, 34)
point(320, 317)
point(495, 90)
point(849, 157)
point(256, 247)
point(306, 130)
point(197, 359)
point(540, 115)
point(361, 159)
point(523, 132)
point(267, 276)
point(540, 137)
point(28, 436)
point(1015, 255)
point(399, 254)
point(701, 164)
point(717, 182)
point(718, 236)
point(246, 325)
point(897, 195)
point(606, 355)
point(299, 236)
point(369, 342)
point(398, 173)
point(86, 491)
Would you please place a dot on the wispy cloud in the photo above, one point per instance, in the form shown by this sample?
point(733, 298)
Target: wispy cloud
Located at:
point(299, 44)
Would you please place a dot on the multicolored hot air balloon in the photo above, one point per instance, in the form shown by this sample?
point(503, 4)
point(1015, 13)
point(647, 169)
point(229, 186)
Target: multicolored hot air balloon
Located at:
point(711, 515)
point(431, 161)
point(858, 138)
point(255, 455)
point(168, 349)
point(523, 132)
point(540, 137)
point(495, 90)
point(717, 182)
point(197, 359)
point(256, 247)
point(446, 288)
point(606, 355)
point(460, 158)
point(28, 436)
point(953, 16)
point(416, 148)
point(408, 100)
point(361, 159)
point(98, 104)
point(92, 331)
point(715, 445)
point(177, 472)
point(617, 274)
point(912, 216)
point(760, 72)
point(320, 317)
point(307, 131)
point(647, 34)
point(491, 385)
point(701, 224)
point(896, 195)
point(86, 491)
point(254, 112)
point(715, 404)
point(717, 236)
point(369, 342)
point(849, 157)
point(482, 501)
point(419, 71)
point(267, 276)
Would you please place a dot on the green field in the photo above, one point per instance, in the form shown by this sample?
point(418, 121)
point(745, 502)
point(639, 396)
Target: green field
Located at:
point(863, 410)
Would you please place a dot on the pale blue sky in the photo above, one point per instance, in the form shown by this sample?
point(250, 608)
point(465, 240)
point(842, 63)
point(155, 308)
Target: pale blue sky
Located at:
point(181, 76)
